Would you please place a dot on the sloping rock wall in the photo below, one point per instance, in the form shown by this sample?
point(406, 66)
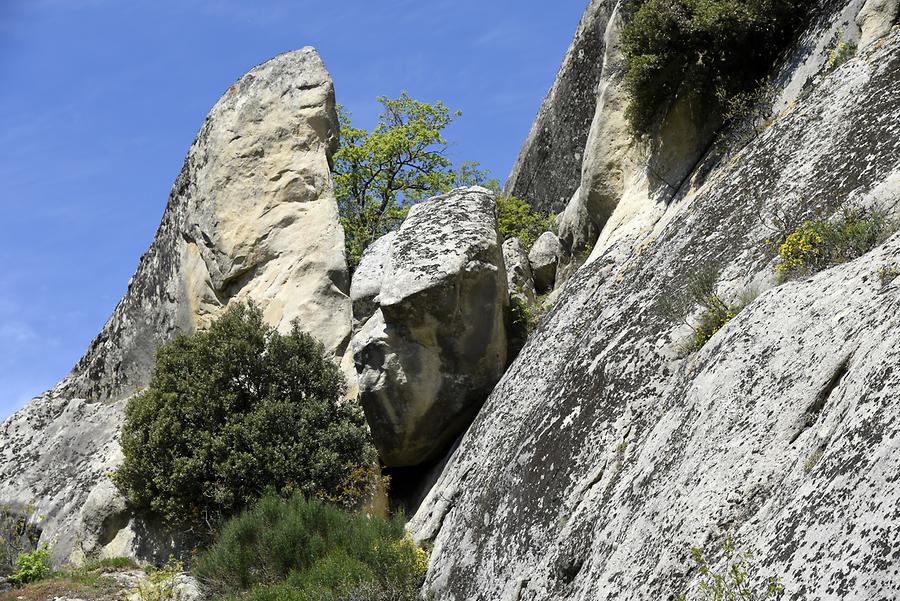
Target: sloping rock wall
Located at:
point(251, 216)
point(604, 453)
point(547, 169)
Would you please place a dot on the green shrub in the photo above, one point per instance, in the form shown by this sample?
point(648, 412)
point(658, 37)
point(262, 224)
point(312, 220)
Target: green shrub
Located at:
point(515, 219)
point(699, 290)
point(301, 549)
point(32, 566)
point(706, 50)
point(820, 244)
point(735, 582)
point(235, 410)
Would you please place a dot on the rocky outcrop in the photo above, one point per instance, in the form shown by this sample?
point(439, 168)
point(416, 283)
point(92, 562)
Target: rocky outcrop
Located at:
point(436, 345)
point(519, 280)
point(544, 259)
point(604, 453)
point(252, 216)
point(547, 169)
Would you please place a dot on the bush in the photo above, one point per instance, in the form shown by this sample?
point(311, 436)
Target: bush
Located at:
point(303, 549)
point(515, 219)
point(735, 581)
point(707, 50)
point(235, 410)
point(32, 566)
point(715, 311)
point(820, 244)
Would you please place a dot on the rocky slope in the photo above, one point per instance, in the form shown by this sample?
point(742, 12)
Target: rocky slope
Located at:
point(251, 216)
point(604, 453)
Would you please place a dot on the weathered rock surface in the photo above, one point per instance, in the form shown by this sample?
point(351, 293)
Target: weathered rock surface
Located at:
point(602, 456)
point(544, 259)
point(433, 350)
point(519, 279)
point(366, 284)
point(547, 169)
point(251, 216)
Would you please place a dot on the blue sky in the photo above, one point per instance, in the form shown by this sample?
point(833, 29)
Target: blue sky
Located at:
point(100, 99)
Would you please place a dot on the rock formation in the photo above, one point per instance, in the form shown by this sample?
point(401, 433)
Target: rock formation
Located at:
point(544, 259)
point(436, 345)
point(251, 216)
point(547, 170)
point(519, 279)
point(604, 453)
point(367, 279)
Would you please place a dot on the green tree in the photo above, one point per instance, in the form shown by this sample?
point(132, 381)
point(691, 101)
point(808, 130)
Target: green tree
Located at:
point(235, 410)
point(379, 174)
point(515, 219)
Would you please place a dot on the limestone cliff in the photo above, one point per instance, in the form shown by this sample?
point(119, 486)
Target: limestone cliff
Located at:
point(251, 216)
point(604, 453)
point(547, 169)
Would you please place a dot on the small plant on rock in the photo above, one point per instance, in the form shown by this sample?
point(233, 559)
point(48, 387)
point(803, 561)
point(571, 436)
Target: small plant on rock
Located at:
point(736, 582)
point(715, 311)
point(819, 244)
point(842, 51)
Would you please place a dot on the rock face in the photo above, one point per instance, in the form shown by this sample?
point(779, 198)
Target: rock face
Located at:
point(367, 279)
point(251, 216)
point(547, 170)
point(436, 345)
point(603, 454)
point(519, 279)
point(544, 258)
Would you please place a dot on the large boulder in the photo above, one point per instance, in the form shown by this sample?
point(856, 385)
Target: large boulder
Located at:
point(604, 453)
point(436, 345)
point(252, 216)
point(547, 169)
point(544, 259)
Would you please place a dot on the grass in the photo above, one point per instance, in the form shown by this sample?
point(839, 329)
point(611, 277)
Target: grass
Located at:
point(89, 582)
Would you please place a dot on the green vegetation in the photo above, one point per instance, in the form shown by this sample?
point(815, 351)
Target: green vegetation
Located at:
point(379, 174)
point(842, 52)
point(161, 584)
point(110, 564)
point(303, 549)
point(515, 219)
point(678, 305)
point(17, 535)
point(820, 244)
point(735, 582)
point(708, 51)
point(31, 566)
point(236, 410)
